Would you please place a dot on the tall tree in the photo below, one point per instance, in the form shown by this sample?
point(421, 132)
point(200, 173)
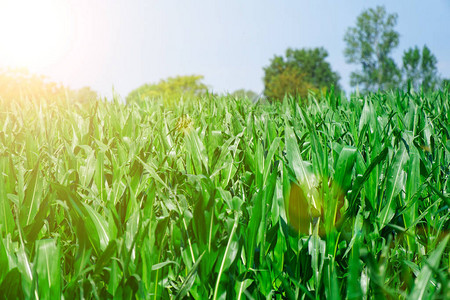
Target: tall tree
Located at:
point(419, 69)
point(369, 44)
point(299, 71)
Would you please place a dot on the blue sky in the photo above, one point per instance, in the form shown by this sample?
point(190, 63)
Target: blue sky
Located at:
point(128, 43)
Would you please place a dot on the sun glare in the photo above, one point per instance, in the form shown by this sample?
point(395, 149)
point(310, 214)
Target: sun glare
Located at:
point(33, 34)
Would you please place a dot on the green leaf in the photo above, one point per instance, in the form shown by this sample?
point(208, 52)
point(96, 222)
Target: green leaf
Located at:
point(268, 160)
point(99, 175)
point(25, 268)
point(101, 226)
point(395, 183)
point(33, 192)
point(48, 269)
point(32, 231)
point(302, 169)
point(343, 168)
point(4, 263)
point(295, 160)
point(360, 180)
point(423, 279)
point(89, 229)
point(11, 286)
point(354, 274)
point(253, 228)
point(197, 151)
point(163, 264)
point(7, 223)
point(106, 256)
point(189, 280)
point(229, 255)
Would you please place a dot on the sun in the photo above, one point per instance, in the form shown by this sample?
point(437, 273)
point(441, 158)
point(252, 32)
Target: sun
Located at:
point(33, 34)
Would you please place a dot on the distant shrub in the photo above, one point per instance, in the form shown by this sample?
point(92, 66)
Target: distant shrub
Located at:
point(170, 89)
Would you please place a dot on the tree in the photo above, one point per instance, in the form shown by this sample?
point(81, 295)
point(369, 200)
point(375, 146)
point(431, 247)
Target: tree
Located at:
point(82, 95)
point(301, 70)
point(242, 93)
point(19, 84)
point(419, 69)
point(445, 83)
point(171, 89)
point(369, 45)
point(16, 84)
point(290, 81)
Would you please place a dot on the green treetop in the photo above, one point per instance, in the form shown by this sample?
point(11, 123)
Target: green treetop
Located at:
point(296, 73)
point(419, 69)
point(369, 44)
point(171, 89)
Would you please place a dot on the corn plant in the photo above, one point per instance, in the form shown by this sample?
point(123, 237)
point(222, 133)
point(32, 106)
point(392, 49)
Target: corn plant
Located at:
point(219, 198)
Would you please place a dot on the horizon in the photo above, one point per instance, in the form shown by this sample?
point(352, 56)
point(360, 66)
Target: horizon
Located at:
point(125, 45)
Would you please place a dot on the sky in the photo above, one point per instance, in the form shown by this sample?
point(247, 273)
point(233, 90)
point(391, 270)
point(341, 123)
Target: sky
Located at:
point(121, 45)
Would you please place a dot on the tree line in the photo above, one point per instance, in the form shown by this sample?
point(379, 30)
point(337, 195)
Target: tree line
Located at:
point(18, 84)
point(369, 46)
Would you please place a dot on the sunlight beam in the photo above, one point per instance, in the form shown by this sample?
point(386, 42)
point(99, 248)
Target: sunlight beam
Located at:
point(34, 34)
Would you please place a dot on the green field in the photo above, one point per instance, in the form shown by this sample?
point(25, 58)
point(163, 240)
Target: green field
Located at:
point(222, 198)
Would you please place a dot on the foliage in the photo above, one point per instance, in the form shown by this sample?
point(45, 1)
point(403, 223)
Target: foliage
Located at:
point(242, 93)
point(296, 73)
point(445, 83)
point(223, 198)
point(369, 44)
point(288, 82)
point(171, 89)
point(82, 95)
point(18, 84)
point(419, 69)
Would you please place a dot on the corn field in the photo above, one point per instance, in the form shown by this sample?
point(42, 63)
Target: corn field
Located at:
point(221, 198)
